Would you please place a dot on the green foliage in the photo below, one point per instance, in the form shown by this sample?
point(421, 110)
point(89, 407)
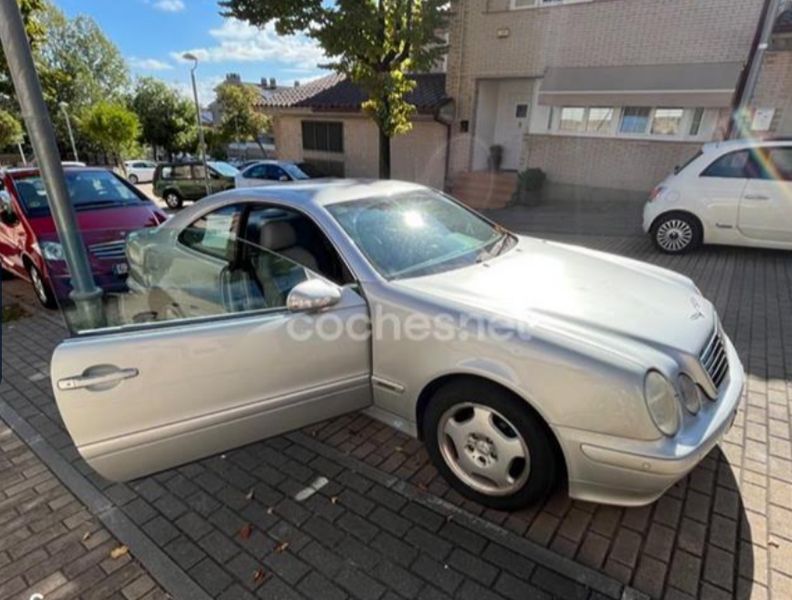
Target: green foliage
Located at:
point(375, 44)
point(78, 64)
point(32, 17)
point(167, 119)
point(241, 119)
point(10, 129)
point(112, 127)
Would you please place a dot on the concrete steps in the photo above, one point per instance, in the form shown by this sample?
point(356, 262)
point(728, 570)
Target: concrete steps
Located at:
point(484, 190)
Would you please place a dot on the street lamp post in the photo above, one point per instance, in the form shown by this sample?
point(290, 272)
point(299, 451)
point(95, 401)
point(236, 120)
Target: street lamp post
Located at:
point(63, 107)
point(201, 142)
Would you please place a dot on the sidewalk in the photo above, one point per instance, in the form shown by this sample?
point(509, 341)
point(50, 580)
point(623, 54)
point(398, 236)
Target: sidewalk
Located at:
point(50, 544)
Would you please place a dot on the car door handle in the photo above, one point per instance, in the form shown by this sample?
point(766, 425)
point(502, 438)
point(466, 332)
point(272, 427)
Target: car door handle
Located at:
point(756, 197)
point(86, 381)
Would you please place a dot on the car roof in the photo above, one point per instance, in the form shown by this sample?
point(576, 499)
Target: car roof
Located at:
point(739, 144)
point(311, 192)
point(32, 171)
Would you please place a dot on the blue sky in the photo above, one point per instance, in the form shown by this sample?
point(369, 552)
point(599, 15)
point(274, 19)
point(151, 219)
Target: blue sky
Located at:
point(153, 34)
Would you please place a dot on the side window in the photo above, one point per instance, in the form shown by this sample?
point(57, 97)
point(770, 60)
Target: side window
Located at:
point(257, 172)
point(181, 172)
point(274, 172)
point(166, 173)
point(214, 234)
point(735, 165)
point(781, 163)
point(198, 172)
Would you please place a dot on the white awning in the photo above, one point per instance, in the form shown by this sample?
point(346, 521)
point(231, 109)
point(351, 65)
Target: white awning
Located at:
point(707, 85)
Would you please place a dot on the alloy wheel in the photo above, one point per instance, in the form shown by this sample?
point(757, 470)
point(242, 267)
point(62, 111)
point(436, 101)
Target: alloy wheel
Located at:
point(674, 235)
point(172, 200)
point(38, 286)
point(483, 449)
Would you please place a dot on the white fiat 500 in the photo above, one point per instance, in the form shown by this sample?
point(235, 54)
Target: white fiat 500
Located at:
point(737, 192)
point(516, 360)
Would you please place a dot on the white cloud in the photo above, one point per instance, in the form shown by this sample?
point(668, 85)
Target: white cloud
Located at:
point(206, 89)
point(169, 5)
point(240, 42)
point(149, 64)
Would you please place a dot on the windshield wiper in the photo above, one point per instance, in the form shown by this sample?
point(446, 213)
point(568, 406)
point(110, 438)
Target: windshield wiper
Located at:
point(494, 249)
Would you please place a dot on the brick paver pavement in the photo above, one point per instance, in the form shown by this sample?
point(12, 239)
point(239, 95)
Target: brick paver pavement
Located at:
point(724, 531)
point(50, 544)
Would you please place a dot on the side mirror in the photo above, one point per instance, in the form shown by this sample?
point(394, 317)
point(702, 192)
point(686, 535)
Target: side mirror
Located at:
point(312, 295)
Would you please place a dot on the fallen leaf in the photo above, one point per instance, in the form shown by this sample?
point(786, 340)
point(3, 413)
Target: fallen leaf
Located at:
point(117, 553)
point(86, 535)
point(281, 547)
point(334, 500)
point(270, 510)
point(773, 543)
point(250, 495)
point(246, 531)
point(398, 449)
point(259, 575)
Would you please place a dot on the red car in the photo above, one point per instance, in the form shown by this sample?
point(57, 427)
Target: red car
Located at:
point(107, 208)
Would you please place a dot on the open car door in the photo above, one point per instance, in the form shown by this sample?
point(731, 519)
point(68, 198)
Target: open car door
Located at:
point(156, 389)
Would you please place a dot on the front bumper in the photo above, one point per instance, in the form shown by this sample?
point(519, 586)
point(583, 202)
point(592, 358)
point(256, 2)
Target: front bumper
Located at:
point(611, 470)
point(650, 213)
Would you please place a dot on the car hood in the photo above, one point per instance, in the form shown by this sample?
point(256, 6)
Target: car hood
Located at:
point(574, 290)
point(103, 224)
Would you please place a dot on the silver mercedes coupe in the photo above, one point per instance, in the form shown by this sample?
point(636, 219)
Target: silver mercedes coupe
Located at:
point(518, 362)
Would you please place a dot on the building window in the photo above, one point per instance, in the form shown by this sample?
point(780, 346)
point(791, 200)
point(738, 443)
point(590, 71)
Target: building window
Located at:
point(323, 136)
point(695, 125)
point(667, 121)
point(518, 4)
point(599, 120)
point(572, 118)
point(635, 119)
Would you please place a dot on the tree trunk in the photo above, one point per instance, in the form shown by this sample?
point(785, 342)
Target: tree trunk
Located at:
point(261, 147)
point(384, 155)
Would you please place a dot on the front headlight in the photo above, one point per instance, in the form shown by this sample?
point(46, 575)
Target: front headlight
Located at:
point(691, 394)
point(662, 403)
point(52, 250)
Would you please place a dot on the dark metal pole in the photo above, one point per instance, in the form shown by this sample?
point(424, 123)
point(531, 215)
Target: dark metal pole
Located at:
point(87, 297)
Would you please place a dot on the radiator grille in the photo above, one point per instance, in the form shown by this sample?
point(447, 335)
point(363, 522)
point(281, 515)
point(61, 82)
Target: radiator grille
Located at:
point(109, 250)
point(714, 360)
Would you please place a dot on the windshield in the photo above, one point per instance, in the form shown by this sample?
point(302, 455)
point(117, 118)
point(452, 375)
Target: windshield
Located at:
point(294, 171)
point(87, 190)
point(418, 233)
point(224, 168)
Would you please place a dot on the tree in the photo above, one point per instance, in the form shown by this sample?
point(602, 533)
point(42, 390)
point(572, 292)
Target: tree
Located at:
point(241, 119)
point(10, 129)
point(31, 16)
point(167, 119)
point(112, 127)
point(374, 43)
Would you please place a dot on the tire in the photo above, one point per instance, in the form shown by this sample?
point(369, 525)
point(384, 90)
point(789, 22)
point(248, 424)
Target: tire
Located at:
point(173, 200)
point(41, 288)
point(677, 233)
point(489, 424)
point(133, 179)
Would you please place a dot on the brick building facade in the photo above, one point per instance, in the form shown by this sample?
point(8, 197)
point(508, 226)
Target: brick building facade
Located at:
point(604, 93)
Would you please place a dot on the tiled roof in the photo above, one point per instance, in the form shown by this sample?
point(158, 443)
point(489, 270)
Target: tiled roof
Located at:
point(428, 95)
point(784, 22)
point(292, 96)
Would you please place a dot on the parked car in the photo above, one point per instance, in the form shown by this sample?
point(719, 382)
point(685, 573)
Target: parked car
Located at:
point(268, 172)
point(140, 171)
point(737, 192)
point(510, 357)
point(176, 183)
point(107, 208)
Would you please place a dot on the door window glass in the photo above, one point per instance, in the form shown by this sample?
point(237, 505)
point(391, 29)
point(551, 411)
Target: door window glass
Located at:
point(735, 165)
point(199, 172)
point(230, 261)
point(780, 163)
point(274, 173)
point(257, 172)
point(181, 172)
